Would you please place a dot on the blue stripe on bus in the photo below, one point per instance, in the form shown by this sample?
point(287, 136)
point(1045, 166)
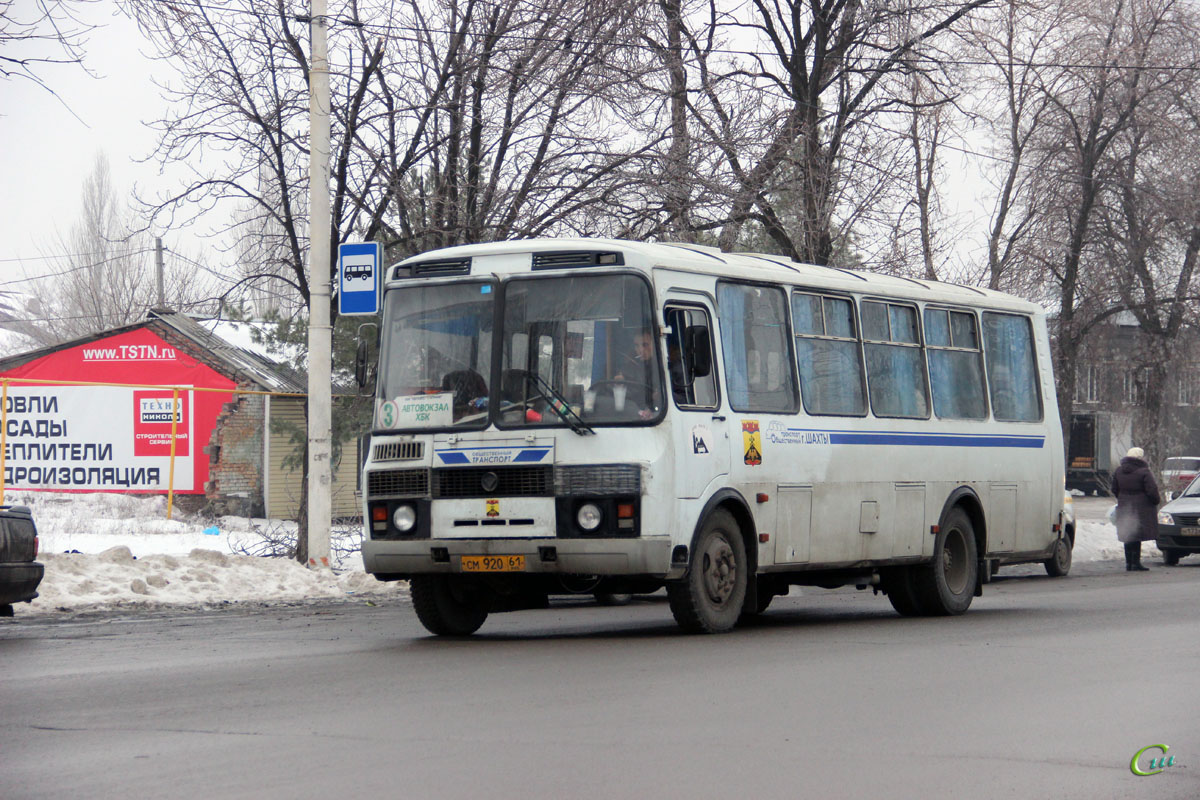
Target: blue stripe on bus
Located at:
point(928, 439)
point(531, 455)
point(453, 457)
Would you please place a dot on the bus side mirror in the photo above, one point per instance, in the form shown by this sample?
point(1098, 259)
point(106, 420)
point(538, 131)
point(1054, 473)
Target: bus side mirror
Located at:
point(698, 351)
point(360, 364)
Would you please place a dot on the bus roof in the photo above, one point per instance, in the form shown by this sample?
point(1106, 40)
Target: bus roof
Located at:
point(497, 257)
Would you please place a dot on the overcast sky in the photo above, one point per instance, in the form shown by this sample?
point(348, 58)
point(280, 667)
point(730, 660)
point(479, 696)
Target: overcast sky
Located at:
point(49, 143)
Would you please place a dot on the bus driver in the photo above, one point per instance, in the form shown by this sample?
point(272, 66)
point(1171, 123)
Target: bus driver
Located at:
point(635, 372)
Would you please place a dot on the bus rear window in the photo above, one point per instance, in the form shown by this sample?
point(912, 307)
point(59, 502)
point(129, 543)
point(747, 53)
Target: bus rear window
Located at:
point(1011, 368)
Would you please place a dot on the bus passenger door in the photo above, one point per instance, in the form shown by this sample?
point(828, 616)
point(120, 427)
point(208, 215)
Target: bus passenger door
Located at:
point(698, 427)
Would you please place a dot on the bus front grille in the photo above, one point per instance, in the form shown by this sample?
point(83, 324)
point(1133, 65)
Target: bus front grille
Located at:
point(508, 482)
point(598, 479)
point(398, 483)
point(400, 451)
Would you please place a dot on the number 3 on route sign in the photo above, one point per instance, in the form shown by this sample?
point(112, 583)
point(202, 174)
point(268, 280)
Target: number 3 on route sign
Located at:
point(358, 278)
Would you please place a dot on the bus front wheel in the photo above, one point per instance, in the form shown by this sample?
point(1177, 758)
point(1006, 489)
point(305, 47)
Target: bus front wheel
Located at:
point(946, 585)
point(447, 605)
point(710, 598)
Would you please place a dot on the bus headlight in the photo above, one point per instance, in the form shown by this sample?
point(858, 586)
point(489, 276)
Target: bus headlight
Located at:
point(1164, 518)
point(589, 516)
point(404, 518)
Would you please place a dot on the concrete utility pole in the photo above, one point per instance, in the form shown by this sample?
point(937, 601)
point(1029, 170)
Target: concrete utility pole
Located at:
point(320, 333)
point(158, 266)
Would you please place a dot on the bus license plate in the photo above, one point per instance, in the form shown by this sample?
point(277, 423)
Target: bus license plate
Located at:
point(493, 563)
point(1189, 531)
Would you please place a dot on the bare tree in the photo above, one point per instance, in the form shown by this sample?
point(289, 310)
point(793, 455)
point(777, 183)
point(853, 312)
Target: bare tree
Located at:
point(928, 101)
point(38, 35)
point(102, 272)
point(522, 143)
point(1151, 223)
point(1013, 42)
point(1107, 65)
point(801, 114)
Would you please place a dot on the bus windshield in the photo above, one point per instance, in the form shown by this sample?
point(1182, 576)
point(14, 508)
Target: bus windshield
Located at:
point(436, 355)
point(584, 342)
point(573, 351)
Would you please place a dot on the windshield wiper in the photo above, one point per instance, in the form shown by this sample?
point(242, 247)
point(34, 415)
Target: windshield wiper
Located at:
point(559, 404)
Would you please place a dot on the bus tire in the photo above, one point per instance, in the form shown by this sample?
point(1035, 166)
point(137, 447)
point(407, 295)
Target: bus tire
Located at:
point(1059, 562)
point(763, 601)
point(901, 593)
point(612, 598)
point(709, 598)
point(946, 585)
point(1170, 557)
point(447, 606)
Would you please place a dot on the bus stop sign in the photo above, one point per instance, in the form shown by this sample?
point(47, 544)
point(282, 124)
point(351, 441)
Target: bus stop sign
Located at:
point(358, 278)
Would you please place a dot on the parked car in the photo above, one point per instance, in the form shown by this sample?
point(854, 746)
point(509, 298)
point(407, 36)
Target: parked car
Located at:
point(1179, 525)
point(20, 573)
point(1178, 472)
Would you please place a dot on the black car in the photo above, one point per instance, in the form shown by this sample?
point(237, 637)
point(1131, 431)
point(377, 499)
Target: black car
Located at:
point(1179, 525)
point(19, 573)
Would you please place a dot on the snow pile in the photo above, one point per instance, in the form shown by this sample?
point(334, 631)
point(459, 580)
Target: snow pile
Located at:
point(111, 550)
point(200, 578)
point(1097, 541)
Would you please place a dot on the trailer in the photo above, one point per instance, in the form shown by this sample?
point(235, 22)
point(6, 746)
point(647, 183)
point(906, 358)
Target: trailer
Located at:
point(1097, 442)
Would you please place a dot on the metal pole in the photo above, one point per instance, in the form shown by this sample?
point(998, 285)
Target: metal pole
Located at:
point(3, 435)
point(158, 263)
point(174, 431)
point(320, 333)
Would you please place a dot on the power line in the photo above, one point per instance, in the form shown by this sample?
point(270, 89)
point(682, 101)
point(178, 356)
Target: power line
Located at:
point(79, 268)
point(65, 255)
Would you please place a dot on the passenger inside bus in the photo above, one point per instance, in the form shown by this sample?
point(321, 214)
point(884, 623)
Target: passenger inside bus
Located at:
point(469, 388)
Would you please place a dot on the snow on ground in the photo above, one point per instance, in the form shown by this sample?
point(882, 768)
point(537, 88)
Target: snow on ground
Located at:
point(1097, 541)
point(105, 551)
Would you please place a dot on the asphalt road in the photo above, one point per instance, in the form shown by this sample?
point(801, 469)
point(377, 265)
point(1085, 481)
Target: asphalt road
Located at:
point(1045, 688)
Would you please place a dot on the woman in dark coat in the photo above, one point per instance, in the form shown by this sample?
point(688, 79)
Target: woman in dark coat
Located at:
point(1137, 506)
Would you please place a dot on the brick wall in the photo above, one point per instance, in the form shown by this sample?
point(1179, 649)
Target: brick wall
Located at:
point(235, 456)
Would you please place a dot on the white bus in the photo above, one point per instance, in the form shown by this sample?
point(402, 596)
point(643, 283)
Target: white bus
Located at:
point(589, 415)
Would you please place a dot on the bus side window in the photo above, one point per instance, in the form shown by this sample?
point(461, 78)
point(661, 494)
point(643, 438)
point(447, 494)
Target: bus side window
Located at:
point(955, 364)
point(1011, 367)
point(755, 341)
point(689, 358)
point(895, 360)
point(828, 355)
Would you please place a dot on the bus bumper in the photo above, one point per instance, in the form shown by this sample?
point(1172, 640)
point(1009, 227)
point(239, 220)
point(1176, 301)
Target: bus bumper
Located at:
point(647, 555)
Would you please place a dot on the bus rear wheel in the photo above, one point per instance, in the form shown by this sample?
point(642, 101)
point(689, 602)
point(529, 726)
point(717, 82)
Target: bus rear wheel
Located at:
point(447, 605)
point(1059, 562)
point(710, 598)
point(946, 585)
point(901, 592)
